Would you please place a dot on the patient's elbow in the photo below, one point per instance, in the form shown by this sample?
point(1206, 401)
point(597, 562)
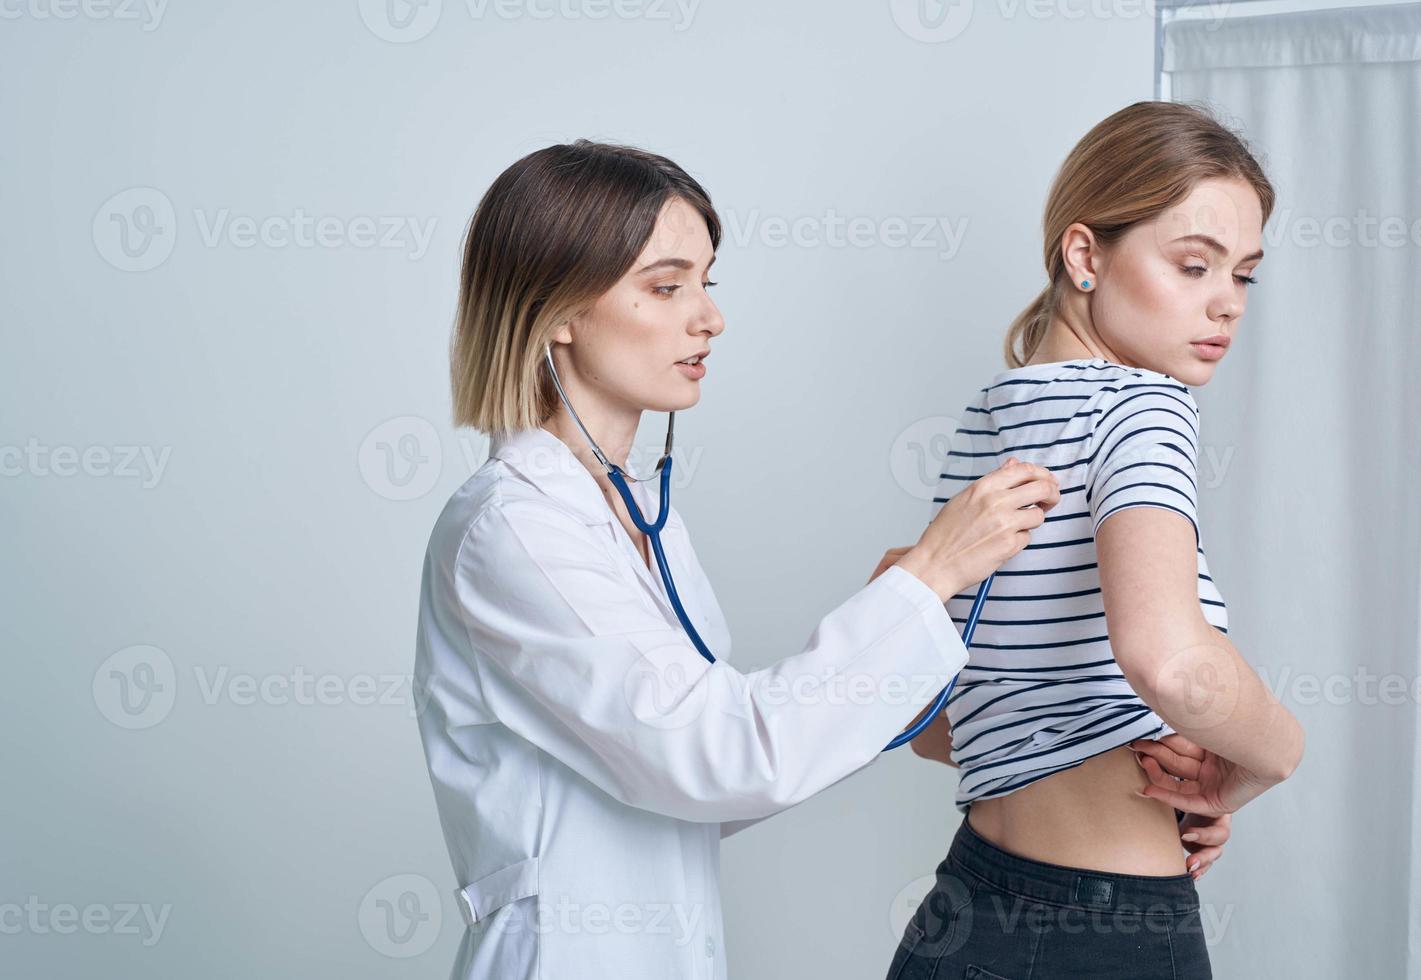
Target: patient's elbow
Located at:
point(1291, 760)
point(1186, 678)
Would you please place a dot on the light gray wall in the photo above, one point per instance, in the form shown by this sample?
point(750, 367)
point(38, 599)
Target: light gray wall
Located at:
point(259, 536)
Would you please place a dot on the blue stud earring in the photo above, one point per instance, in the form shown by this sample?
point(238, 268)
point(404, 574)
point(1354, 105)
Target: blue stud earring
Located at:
point(1085, 283)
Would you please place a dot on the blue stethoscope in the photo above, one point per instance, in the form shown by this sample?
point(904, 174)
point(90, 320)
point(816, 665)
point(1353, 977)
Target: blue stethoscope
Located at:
point(653, 532)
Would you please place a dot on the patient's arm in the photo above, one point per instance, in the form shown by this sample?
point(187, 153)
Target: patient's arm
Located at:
point(1180, 665)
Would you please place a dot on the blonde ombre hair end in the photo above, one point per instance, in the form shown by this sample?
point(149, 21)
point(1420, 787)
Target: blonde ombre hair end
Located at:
point(1132, 166)
point(554, 231)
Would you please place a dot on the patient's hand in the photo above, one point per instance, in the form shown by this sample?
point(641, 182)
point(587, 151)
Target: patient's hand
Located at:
point(1209, 835)
point(1181, 766)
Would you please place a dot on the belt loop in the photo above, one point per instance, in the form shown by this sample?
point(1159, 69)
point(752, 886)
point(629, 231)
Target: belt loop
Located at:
point(480, 899)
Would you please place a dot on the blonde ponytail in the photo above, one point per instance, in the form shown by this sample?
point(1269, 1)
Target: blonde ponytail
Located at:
point(1029, 328)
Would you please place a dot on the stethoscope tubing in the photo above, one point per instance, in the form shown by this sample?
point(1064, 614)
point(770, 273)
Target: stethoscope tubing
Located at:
point(653, 532)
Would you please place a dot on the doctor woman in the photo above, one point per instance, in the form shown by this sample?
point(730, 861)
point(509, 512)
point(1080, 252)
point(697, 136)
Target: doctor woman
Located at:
point(586, 758)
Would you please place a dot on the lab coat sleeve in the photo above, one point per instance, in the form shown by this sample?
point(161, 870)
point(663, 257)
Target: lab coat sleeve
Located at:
point(570, 656)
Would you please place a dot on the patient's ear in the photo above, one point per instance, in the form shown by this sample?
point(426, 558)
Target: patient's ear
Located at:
point(1082, 256)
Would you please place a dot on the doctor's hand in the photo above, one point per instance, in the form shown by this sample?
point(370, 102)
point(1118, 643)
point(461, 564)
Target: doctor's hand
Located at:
point(986, 523)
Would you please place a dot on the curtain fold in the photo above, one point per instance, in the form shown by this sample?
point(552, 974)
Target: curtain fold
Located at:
point(1310, 470)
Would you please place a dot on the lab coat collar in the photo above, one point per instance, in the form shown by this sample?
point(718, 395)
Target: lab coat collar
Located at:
point(545, 461)
point(549, 465)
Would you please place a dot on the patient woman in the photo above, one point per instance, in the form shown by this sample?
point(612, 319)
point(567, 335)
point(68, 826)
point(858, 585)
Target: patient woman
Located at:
point(1102, 652)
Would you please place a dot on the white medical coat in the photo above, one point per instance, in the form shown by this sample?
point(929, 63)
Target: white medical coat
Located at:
point(586, 760)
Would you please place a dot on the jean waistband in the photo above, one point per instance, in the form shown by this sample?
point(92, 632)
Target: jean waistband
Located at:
point(1080, 888)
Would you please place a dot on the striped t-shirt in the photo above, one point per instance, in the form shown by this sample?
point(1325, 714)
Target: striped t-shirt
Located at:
point(1041, 691)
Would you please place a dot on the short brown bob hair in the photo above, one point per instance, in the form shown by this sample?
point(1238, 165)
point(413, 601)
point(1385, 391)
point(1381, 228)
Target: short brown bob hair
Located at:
point(555, 231)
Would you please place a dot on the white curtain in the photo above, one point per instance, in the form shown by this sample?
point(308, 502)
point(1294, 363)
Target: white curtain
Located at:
point(1311, 480)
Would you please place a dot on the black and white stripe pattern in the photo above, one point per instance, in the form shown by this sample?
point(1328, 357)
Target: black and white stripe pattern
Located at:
point(1042, 691)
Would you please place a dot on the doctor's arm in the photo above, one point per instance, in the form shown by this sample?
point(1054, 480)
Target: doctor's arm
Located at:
point(570, 656)
point(934, 741)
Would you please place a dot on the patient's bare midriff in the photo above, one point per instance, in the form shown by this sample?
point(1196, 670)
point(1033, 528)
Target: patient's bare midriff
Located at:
point(1087, 817)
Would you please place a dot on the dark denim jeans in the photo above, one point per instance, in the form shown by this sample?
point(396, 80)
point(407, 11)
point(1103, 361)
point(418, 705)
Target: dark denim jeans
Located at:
point(995, 916)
